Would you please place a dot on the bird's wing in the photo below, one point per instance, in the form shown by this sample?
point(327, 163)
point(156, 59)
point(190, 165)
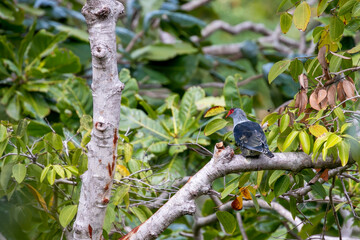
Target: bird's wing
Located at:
point(250, 135)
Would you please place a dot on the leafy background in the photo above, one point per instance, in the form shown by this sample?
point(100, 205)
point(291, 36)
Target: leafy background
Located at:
point(46, 108)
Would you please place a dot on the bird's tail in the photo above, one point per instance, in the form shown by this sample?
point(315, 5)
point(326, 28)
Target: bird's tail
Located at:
point(268, 153)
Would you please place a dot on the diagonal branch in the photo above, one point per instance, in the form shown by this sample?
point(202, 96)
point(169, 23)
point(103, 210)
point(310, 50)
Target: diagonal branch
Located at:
point(223, 162)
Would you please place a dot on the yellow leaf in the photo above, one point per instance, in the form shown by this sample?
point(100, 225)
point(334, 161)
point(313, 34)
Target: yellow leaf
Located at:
point(237, 204)
point(302, 16)
point(317, 130)
point(38, 197)
point(245, 193)
point(214, 111)
point(124, 172)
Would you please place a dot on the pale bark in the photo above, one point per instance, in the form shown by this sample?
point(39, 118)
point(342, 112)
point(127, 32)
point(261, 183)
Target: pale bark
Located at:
point(101, 17)
point(223, 162)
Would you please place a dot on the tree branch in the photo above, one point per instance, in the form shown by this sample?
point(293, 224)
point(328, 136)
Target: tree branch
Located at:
point(244, 26)
point(223, 162)
point(191, 5)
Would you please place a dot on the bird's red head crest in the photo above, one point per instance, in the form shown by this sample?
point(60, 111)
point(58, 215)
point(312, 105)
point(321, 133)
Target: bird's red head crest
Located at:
point(230, 112)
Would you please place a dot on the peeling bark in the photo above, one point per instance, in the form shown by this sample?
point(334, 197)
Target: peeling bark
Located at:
point(223, 162)
point(101, 17)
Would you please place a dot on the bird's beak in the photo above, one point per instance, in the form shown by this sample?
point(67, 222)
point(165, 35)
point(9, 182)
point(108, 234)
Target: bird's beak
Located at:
point(229, 112)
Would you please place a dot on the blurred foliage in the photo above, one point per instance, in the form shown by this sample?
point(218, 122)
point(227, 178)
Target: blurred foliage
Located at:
point(46, 104)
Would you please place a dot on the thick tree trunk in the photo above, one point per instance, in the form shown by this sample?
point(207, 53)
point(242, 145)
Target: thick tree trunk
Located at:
point(101, 17)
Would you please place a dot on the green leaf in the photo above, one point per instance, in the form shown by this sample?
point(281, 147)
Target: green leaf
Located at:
point(285, 22)
point(5, 175)
point(59, 170)
point(229, 188)
point(128, 151)
point(293, 207)
point(158, 147)
point(120, 194)
point(44, 173)
point(318, 143)
point(255, 201)
point(51, 175)
point(13, 108)
point(322, 6)
point(139, 213)
point(19, 172)
point(73, 32)
point(277, 69)
point(54, 141)
point(356, 10)
point(332, 141)
point(162, 51)
point(271, 119)
point(346, 7)
point(231, 92)
point(305, 142)
point(188, 108)
point(77, 94)
point(344, 150)
point(296, 68)
point(21, 128)
point(35, 105)
point(109, 218)
point(335, 63)
point(43, 43)
point(336, 28)
point(62, 61)
point(3, 133)
point(227, 220)
point(244, 179)
point(184, 20)
point(289, 139)
point(137, 118)
point(3, 145)
point(281, 185)
point(284, 122)
point(67, 214)
point(275, 175)
point(339, 113)
point(25, 43)
point(214, 126)
point(319, 189)
point(302, 16)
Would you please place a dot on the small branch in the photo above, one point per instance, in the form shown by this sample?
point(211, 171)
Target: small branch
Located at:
point(241, 226)
point(241, 27)
point(191, 5)
point(333, 207)
point(348, 199)
point(329, 113)
point(133, 41)
point(221, 85)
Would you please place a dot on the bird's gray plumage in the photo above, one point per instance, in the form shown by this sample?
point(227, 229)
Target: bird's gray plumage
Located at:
point(248, 135)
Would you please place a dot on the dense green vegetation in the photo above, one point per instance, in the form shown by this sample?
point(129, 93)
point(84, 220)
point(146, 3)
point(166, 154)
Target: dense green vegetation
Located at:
point(172, 76)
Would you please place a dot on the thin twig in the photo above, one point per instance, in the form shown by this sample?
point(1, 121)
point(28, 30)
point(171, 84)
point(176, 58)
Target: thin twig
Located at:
point(241, 226)
point(329, 113)
point(348, 199)
point(333, 207)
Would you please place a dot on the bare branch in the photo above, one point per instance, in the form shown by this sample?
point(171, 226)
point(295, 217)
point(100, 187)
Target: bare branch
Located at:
point(223, 162)
point(241, 226)
point(244, 26)
point(191, 5)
